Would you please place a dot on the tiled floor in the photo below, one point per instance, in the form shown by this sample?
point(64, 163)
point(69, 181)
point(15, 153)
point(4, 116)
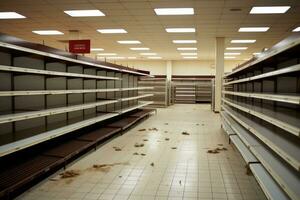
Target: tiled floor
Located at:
point(178, 168)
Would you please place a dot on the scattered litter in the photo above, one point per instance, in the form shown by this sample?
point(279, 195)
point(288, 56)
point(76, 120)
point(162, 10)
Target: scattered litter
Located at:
point(145, 140)
point(120, 176)
point(106, 167)
point(138, 145)
point(165, 131)
point(174, 147)
point(220, 144)
point(117, 149)
point(167, 139)
point(202, 124)
point(143, 129)
point(142, 154)
point(69, 174)
point(185, 133)
point(135, 153)
point(217, 150)
point(152, 164)
point(213, 151)
point(152, 129)
point(197, 124)
point(180, 182)
point(166, 123)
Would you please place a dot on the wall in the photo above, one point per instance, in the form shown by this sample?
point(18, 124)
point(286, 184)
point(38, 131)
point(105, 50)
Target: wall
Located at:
point(180, 67)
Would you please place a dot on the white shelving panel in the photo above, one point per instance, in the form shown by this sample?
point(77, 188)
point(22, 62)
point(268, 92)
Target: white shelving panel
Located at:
point(261, 116)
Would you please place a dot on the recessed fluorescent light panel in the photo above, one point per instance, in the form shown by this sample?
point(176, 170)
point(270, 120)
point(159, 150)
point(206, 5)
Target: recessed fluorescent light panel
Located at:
point(180, 30)
point(190, 57)
point(229, 57)
point(154, 57)
point(148, 54)
point(48, 32)
point(184, 41)
point(84, 13)
point(129, 42)
point(106, 54)
point(296, 29)
point(187, 48)
point(243, 41)
point(236, 48)
point(140, 48)
point(115, 30)
point(269, 9)
point(232, 53)
point(254, 29)
point(188, 54)
point(97, 49)
point(174, 11)
point(11, 15)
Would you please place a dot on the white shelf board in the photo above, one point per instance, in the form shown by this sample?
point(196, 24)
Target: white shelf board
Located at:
point(137, 88)
point(286, 149)
point(286, 98)
point(52, 111)
point(287, 120)
point(53, 73)
point(271, 189)
point(136, 97)
point(140, 105)
point(24, 143)
point(294, 68)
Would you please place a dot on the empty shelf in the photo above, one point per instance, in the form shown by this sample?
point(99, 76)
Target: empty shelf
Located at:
point(27, 142)
point(136, 97)
point(287, 149)
point(53, 111)
point(52, 73)
point(99, 134)
point(287, 119)
point(286, 98)
point(140, 105)
point(271, 189)
point(123, 123)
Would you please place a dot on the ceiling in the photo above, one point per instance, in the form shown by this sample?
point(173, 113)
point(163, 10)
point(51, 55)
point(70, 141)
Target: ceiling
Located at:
point(212, 18)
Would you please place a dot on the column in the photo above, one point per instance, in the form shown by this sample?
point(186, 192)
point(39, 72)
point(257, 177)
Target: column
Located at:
point(169, 79)
point(219, 72)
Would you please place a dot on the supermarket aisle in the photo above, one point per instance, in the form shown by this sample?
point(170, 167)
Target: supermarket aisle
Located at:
point(160, 163)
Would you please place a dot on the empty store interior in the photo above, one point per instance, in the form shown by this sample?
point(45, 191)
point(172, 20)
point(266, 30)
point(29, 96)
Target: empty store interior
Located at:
point(150, 100)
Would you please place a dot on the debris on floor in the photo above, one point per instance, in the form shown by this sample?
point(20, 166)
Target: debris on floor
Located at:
point(106, 167)
point(213, 151)
point(142, 154)
point(152, 129)
point(166, 123)
point(202, 124)
point(180, 182)
point(152, 164)
point(220, 144)
point(145, 140)
point(138, 145)
point(174, 148)
point(248, 170)
point(143, 129)
point(135, 153)
point(117, 149)
point(185, 133)
point(120, 176)
point(217, 150)
point(167, 139)
point(165, 131)
point(197, 124)
point(69, 174)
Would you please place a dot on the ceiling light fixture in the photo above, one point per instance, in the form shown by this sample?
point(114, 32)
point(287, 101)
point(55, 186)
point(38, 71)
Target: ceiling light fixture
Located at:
point(115, 57)
point(84, 13)
point(11, 15)
point(229, 57)
point(97, 49)
point(269, 9)
point(184, 41)
point(187, 48)
point(236, 48)
point(188, 54)
point(129, 42)
point(296, 29)
point(140, 48)
point(243, 41)
point(174, 11)
point(113, 31)
point(254, 29)
point(181, 30)
point(232, 53)
point(131, 57)
point(154, 57)
point(48, 32)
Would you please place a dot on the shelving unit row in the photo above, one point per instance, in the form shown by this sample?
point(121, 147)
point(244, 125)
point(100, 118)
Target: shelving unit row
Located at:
point(260, 114)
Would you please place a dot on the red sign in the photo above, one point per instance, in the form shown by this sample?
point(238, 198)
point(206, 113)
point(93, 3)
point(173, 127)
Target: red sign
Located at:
point(79, 46)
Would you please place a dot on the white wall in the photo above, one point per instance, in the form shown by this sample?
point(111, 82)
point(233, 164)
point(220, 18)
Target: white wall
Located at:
point(180, 67)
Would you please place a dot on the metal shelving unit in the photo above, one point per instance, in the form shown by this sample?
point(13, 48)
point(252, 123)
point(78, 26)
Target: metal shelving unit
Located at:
point(260, 114)
point(46, 93)
point(161, 90)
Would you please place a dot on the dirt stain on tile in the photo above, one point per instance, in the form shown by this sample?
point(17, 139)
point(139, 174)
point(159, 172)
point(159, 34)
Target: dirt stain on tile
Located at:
point(165, 131)
point(153, 129)
point(152, 164)
point(142, 154)
point(137, 145)
point(69, 174)
point(136, 153)
point(167, 139)
point(145, 140)
point(173, 147)
point(185, 133)
point(107, 167)
point(166, 123)
point(142, 129)
point(117, 149)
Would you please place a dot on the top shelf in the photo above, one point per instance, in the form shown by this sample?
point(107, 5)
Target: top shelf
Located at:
point(290, 43)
